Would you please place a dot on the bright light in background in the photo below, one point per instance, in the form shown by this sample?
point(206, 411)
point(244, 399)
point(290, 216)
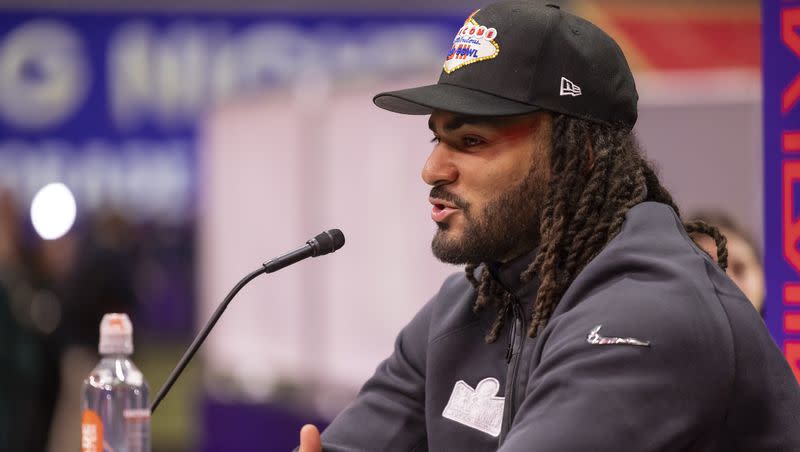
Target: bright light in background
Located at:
point(53, 211)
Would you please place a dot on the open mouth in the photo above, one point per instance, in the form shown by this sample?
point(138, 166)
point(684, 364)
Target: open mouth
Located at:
point(440, 211)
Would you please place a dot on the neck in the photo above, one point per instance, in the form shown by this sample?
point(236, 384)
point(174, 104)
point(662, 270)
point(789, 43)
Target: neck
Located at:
point(508, 272)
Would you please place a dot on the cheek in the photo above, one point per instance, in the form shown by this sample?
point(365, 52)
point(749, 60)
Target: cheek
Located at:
point(540, 177)
point(518, 170)
point(487, 179)
point(749, 279)
point(489, 182)
point(754, 284)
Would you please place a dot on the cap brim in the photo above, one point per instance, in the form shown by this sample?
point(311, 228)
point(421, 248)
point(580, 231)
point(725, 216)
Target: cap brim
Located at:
point(424, 100)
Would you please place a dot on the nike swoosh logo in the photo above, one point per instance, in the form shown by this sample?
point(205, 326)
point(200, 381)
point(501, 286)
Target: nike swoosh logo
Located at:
point(595, 338)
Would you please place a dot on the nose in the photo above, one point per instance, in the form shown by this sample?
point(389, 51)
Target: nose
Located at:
point(439, 168)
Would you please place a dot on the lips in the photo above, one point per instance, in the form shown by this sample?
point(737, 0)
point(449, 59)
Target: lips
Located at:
point(441, 209)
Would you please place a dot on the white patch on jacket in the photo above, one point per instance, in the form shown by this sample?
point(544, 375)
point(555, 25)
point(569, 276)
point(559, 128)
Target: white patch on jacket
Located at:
point(479, 408)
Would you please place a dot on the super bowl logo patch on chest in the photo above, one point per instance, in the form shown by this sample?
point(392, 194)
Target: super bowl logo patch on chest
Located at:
point(472, 43)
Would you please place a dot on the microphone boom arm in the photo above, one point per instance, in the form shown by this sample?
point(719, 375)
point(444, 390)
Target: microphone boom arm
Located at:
point(324, 243)
point(198, 341)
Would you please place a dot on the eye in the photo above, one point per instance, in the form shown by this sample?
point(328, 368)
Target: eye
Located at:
point(435, 139)
point(471, 140)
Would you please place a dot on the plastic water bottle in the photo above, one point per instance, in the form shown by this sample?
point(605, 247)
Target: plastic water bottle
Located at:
point(116, 414)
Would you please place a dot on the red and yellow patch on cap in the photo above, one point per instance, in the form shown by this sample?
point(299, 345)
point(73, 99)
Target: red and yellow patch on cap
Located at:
point(473, 43)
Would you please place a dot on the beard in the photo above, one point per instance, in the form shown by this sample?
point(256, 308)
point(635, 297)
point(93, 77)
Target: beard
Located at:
point(507, 228)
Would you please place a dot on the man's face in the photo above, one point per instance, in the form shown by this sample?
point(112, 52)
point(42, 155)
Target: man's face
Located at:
point(489, 178)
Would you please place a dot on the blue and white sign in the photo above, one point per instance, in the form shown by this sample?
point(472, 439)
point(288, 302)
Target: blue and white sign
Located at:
point(108, 104)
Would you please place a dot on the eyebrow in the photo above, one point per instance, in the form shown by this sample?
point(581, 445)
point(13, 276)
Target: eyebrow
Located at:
point(458, 121)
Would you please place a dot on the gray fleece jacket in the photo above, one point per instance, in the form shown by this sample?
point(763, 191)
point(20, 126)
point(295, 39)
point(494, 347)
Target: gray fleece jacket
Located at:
point(652, 348)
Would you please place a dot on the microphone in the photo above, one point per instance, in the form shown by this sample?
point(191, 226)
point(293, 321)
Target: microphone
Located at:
point(324, 243)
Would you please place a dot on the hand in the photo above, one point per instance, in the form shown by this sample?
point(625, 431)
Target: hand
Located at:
point(309, 439)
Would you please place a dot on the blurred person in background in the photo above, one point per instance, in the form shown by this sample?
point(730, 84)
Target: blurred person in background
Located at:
point(29, 351)
point(53, 294)
point(745, 266)
point(586, 317)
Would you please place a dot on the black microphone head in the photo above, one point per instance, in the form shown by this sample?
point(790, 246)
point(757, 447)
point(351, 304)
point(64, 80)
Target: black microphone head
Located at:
point(326, 242)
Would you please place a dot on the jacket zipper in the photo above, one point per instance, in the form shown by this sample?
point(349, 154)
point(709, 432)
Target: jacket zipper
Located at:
point(511, 338)
point(513, 357)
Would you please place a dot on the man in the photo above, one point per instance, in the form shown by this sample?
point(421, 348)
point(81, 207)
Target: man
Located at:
point(586, 320)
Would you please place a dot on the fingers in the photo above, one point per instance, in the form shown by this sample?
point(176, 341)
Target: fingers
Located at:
point(309, 439)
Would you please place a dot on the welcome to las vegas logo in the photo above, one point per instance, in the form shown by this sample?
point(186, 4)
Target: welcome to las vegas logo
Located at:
point(472, 43)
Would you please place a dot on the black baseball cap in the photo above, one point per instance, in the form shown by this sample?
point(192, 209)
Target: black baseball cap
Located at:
point(521, 56)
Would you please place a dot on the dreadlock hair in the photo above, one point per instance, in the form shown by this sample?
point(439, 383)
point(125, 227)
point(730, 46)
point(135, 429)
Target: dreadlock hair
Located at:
point(584, 209)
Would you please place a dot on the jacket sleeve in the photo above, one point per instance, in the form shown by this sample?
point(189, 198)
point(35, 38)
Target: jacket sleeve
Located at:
point(611, 397)
point(389, 412)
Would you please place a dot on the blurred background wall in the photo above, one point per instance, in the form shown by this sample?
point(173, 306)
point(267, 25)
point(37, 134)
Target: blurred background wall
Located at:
point(201, 138)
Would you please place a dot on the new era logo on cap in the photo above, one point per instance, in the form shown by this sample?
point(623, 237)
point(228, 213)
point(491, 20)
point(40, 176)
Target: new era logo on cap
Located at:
point(569, 89)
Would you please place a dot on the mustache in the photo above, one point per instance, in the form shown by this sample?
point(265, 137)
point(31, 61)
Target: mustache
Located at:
point(444, 195)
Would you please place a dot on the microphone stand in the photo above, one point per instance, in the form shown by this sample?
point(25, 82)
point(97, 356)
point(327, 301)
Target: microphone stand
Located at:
point(324, 243)
point(198, 341)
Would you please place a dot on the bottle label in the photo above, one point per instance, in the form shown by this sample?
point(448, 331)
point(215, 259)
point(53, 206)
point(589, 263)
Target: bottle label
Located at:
point(91, 432)
point(137, 415)
point(137, 429)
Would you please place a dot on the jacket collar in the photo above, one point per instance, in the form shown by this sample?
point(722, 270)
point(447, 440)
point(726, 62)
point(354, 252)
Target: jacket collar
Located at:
point(508, 274)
